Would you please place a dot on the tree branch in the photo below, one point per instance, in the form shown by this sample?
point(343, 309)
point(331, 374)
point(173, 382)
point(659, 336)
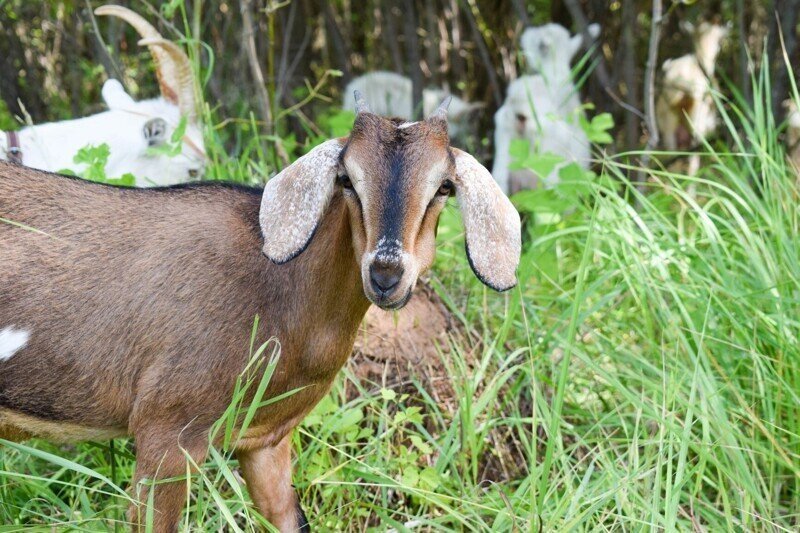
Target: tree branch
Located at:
point(649, 87)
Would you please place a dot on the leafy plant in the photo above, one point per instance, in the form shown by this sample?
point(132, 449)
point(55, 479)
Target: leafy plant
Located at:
point(96, 158)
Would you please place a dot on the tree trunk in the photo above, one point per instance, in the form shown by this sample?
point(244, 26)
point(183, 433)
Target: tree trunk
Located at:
point(783, 23)
point(412, 54)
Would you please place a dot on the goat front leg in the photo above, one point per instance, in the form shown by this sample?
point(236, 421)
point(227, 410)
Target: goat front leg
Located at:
point(161, 455)
point(268, 472)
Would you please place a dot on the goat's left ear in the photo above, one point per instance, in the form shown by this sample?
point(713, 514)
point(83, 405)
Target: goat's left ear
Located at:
point(114, 95)
point(295, 200)
point(494, 236)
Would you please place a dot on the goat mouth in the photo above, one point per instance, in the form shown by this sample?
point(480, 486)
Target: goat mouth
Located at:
point(392, 306)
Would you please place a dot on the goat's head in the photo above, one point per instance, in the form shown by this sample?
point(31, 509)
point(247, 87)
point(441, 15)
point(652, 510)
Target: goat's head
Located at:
point(548, 49)
point(147, 126)
point(707, 37)
point(395, 178)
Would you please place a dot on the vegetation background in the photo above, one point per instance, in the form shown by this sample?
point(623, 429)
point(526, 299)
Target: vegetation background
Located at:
point(646, 373)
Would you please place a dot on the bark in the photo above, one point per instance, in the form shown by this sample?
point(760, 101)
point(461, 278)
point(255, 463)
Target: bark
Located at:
point(412, 53)
point(632, 122)
point(521, 11)
point(390, 35)
point(340, 47)
point(486, 59)
point(649, 87)
point(782, 39)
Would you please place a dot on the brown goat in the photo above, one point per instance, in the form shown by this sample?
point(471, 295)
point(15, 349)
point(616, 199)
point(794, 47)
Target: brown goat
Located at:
point(128, 312)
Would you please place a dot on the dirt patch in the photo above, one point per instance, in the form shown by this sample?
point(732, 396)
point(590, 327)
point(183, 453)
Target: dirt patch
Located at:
point(394, 347)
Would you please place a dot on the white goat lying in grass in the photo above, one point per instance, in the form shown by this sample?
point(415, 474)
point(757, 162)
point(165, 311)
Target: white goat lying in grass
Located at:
point(390, 95)
point(138, 134)
point(685, 110)
point(542, 108)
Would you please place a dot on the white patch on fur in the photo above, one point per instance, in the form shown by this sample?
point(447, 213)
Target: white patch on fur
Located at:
point(405, 125)
point(12, 340)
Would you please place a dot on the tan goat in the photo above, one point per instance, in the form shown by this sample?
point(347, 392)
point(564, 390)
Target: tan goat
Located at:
point(87, 353)
point(685, 110)
point(793, 132)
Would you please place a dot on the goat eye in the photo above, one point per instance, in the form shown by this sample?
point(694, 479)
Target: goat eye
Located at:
point(193, 172)
point(345, 182)
point(446, 188)
point(521, 118)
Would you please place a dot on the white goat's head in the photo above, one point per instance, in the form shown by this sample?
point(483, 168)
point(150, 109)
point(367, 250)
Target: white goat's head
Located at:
point(141, 133)
point(707, 37)
point(548, 49)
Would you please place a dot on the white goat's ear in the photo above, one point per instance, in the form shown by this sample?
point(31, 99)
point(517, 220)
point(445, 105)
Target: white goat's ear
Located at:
point(115, 97)
point(155, 131)
point(494, 236)
point(594, 31)
point(295, 200)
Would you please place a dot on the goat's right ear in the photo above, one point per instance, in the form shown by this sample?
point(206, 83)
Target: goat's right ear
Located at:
point(114, 95)
point(295, 200)
point(492, 225)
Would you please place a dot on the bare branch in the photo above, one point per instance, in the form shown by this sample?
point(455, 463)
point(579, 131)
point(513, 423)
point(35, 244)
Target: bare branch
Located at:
point(649, 87)
point(483, 51)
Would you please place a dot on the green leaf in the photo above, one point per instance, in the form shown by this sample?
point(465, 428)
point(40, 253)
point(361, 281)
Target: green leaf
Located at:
point(420, 444)
point(597, 129)
point(347, 421)
point(410, 477)
point(388, 394)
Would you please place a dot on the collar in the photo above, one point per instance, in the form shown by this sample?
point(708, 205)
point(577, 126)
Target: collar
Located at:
point(13, 149)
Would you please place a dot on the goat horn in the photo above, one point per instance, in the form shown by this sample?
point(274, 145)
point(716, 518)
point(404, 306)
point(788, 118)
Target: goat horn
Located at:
point(441, 111)
point(168, 65)
point(361, 104)
point(182, 73)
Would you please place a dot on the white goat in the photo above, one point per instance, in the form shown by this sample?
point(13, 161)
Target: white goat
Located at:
point(390, 94)
point(132, 130)
point(542, 108)
point(685, 109)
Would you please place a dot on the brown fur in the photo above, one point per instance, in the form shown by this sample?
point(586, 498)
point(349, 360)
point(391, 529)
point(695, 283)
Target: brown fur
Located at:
point(92, 282)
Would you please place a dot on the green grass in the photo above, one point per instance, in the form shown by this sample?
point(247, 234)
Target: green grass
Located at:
point(644, 375)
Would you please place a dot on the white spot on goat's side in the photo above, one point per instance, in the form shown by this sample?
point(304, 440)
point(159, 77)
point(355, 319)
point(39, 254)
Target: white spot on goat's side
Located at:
point(11, 341)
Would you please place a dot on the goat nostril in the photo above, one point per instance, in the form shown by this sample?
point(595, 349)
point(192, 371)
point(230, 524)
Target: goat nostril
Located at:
point(385, 277)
